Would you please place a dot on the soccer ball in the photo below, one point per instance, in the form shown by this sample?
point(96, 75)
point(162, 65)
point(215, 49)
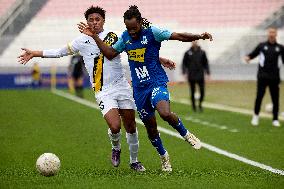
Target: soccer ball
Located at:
point(268, 107)
point(196, 95)
point(48, 164)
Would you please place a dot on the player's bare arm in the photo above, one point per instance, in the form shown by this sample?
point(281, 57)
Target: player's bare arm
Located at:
point(167, 63)
point(188, 37)
point(28, 55)
point(108, 51)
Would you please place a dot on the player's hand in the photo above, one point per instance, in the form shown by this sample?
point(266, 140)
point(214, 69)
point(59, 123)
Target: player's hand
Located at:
point(85, 29)
point(168, 63)
point(247, 59)
point(206, 35)
point(26, 56)
point(207, 77)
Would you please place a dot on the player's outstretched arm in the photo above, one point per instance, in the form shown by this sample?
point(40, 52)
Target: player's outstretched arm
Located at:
point(28, 55)
point(108, 51)
point(167, 63)
point(50, 53)
point(188, 37)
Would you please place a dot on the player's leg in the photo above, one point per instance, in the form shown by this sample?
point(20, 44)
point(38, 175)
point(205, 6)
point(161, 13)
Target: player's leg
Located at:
point(79, 86)
point(160, 100)
point(201, 84)
point(147, 115)
point(123, 95)
point(109, 109)
point(113, 120)
point(261, 85)
point(192, 91)
point(71, 85)
point(128, 119)
point(154, 136)
point(274, 93)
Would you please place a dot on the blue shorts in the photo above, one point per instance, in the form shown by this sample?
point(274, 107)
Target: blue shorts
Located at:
point(147, 99)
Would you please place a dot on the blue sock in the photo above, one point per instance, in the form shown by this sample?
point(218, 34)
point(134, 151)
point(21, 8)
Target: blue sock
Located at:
point(157, 143)
point(180, 128)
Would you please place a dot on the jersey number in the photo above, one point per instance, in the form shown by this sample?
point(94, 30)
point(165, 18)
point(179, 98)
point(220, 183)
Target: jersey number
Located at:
point(101, 105)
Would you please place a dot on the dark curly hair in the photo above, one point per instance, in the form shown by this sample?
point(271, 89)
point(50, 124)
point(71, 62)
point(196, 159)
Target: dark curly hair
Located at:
point(96, 9)
point(133, 12)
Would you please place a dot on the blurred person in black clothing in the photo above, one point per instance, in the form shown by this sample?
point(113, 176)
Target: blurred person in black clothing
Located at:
point(195, 66)
point(268, 74)
point(76, 73)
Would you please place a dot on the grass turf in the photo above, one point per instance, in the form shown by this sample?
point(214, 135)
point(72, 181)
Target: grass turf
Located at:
point(233, 93)
point(34, 122)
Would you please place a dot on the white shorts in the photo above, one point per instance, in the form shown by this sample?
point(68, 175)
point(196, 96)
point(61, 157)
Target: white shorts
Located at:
point(117, 95)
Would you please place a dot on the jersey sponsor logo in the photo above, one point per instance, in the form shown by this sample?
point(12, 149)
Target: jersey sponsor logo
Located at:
point(144, 41)
point(142, 73)
point(137, 55)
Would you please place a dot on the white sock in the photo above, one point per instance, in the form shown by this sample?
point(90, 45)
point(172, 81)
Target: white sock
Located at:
point(133, 142)
point(114, 139)
point(166, 154)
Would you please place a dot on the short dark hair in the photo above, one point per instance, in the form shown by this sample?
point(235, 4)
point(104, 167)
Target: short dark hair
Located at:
point(95, 9)
point(133, 12)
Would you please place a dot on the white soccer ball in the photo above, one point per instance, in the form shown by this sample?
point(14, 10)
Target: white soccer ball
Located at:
point(48, 164)
point(197, 95)
point(268, 107)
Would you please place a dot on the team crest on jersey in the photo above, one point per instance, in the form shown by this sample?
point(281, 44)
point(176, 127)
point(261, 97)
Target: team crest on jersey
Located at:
point(110, 39)
point(277, 49)
point(137, 55)
point(265, 48)
point(144, 41)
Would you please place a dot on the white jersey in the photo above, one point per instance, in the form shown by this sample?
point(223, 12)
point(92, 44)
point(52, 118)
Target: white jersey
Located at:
point(106, 76)
point(102, 71)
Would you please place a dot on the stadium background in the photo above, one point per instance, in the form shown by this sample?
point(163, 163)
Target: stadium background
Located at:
point(237, 26)
point(28, 118)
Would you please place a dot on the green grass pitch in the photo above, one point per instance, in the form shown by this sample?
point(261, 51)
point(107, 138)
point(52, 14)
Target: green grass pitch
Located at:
point(36, 121)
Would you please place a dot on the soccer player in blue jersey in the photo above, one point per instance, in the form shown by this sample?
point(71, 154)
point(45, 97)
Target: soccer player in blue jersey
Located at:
point(142, 43)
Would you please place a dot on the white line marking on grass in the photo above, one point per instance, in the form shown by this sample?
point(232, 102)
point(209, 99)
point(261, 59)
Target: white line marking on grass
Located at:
point(226, 108)
point(175, 134)
point(206, 123)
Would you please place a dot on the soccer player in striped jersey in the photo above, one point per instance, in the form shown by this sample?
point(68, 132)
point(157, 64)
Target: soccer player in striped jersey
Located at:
point(142, 43)
point(112, 90)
